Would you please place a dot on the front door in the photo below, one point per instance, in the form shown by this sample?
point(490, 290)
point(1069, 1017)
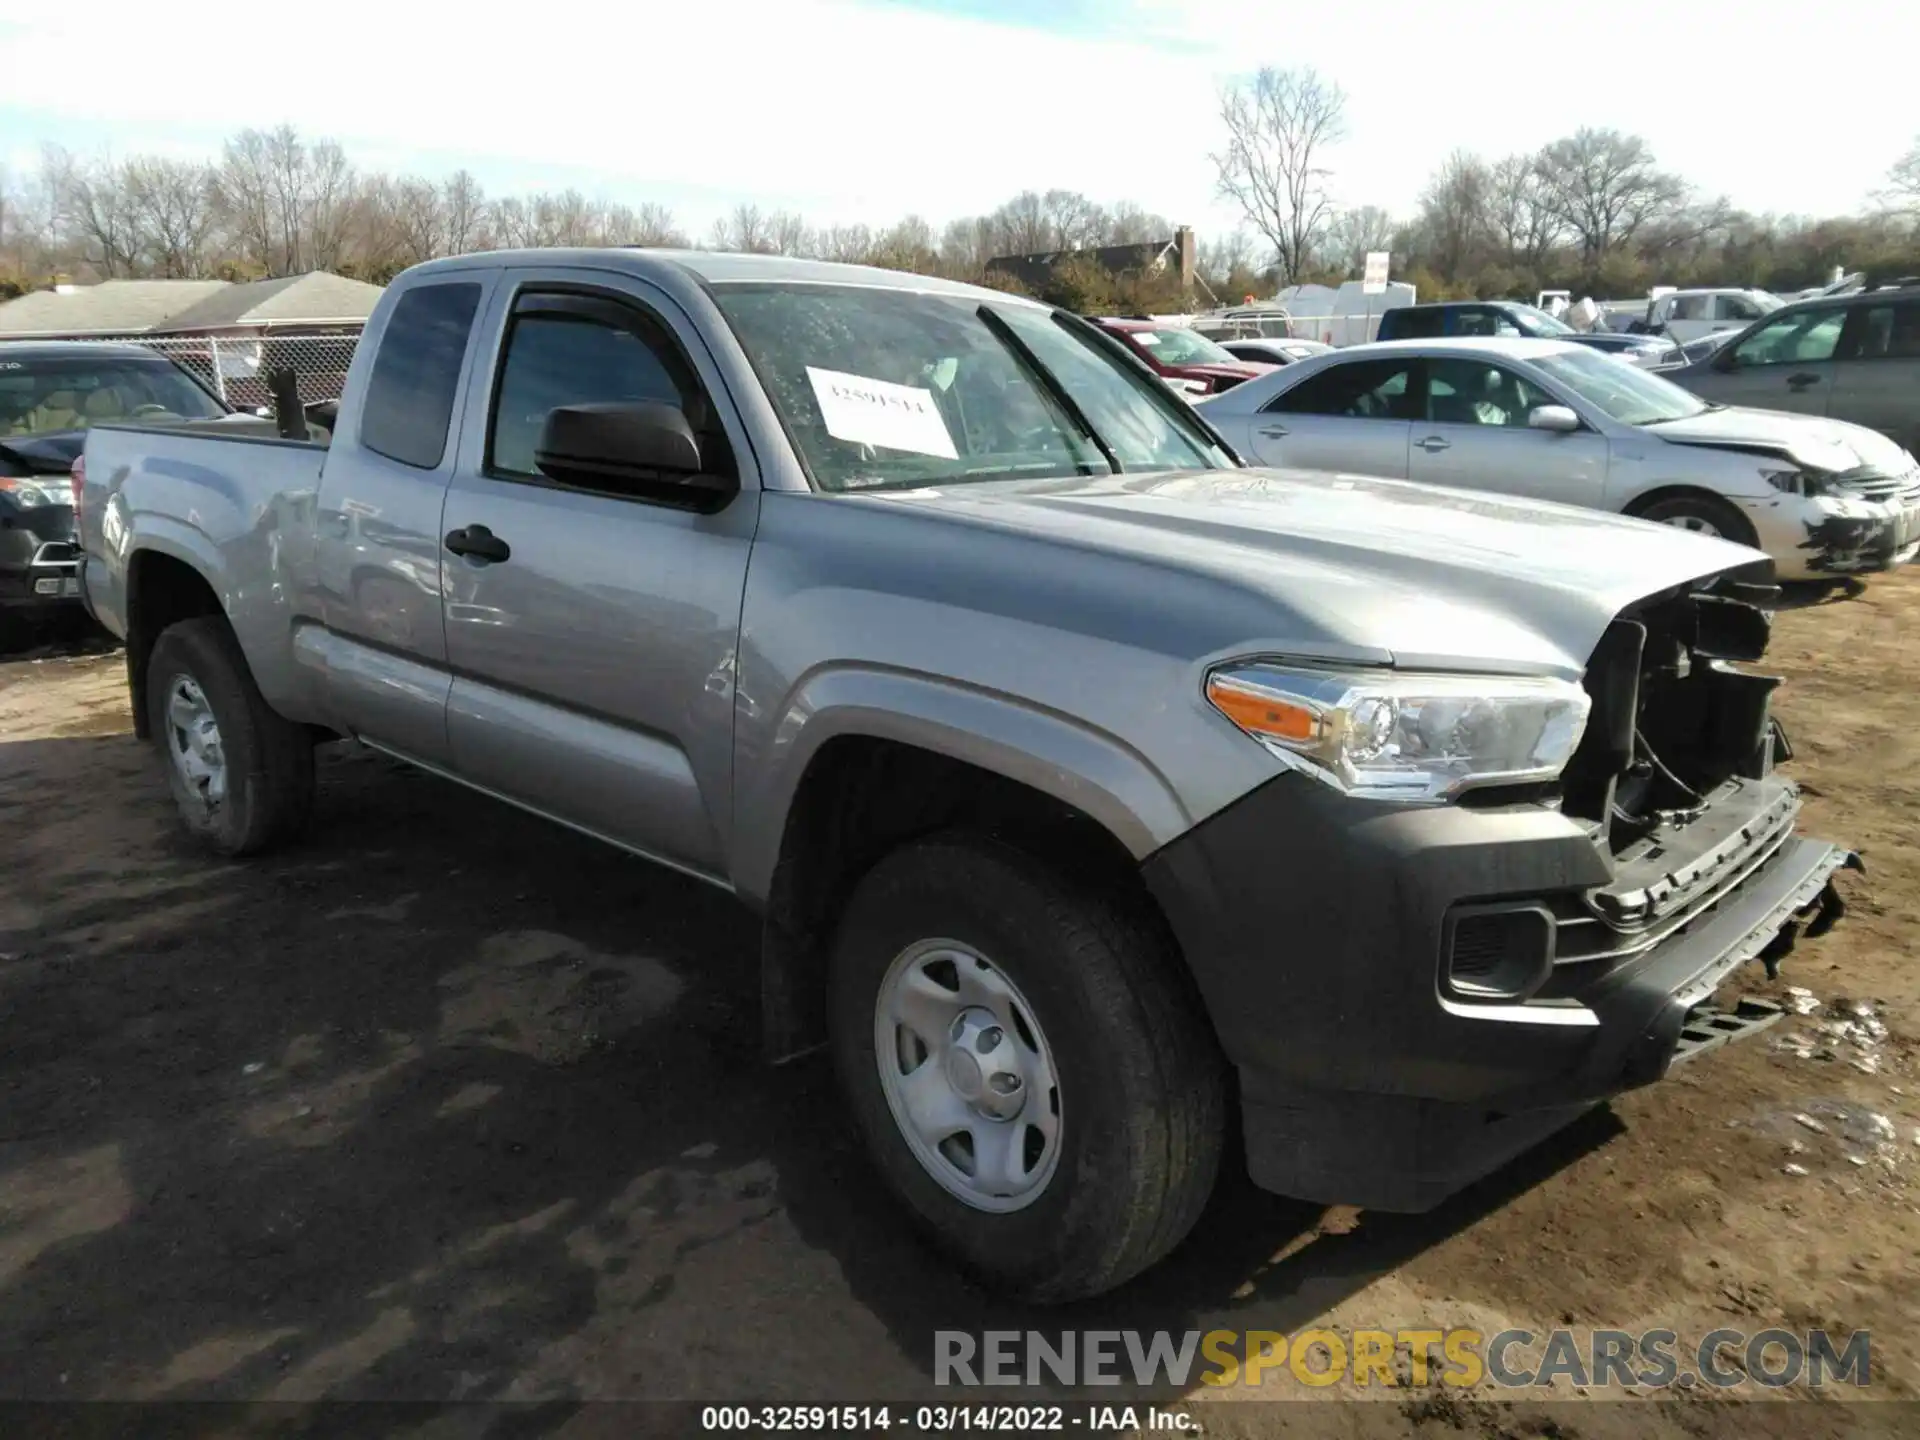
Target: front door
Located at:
point(593, 653)
point(1477, 437)
point(1785, 364)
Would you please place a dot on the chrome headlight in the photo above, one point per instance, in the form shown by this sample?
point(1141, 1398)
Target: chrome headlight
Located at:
point(28, 494)
point(1388, 735)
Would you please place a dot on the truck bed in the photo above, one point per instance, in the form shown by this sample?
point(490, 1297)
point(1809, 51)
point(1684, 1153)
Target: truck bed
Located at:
point(215, 495)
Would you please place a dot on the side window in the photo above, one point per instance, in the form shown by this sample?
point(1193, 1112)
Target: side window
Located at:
point(1472, 392)
point(1891, 332)
point(1363, 390)
point(577, 350)
point(1805, 337)
point(417, 373)
point(1473, 321)
point(1689, 307)
point(1737, 307)
point(1411, 324)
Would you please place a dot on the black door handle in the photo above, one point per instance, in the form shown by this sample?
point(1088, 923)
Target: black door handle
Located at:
point(1802, 380)
point(477, 542)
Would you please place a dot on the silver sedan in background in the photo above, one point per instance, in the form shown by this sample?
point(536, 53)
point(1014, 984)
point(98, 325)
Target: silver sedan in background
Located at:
point(1555, 421)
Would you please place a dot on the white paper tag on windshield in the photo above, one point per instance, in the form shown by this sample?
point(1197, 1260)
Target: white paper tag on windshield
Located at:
point(878, 412)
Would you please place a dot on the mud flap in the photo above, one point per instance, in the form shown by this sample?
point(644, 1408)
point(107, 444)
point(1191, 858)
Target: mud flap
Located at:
point(1707, 1028)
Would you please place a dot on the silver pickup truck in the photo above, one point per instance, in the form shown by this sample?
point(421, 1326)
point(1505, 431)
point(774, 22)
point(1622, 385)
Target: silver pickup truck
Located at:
point(1098, 793)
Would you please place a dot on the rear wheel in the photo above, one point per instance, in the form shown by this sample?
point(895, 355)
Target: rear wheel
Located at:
point(1029, 1070)
point(241, 775)
point(1704, 515)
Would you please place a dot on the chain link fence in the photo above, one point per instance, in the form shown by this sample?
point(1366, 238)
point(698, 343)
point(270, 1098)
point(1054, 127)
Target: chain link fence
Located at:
point(235, 367)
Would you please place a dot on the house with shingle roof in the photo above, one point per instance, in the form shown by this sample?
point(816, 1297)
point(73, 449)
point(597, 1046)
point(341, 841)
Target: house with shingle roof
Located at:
point(113, 309)
point(313, 303)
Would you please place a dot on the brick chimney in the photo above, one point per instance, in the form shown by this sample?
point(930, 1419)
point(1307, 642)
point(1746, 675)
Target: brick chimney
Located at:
point(1183, 242)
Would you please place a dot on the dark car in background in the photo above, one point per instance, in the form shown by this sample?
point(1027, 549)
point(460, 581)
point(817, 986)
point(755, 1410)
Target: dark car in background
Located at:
point(50, 392)
point(1454, 319)
point(1187, 360)
point(1846, 357)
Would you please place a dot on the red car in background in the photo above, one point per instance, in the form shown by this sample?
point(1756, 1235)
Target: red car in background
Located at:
point(1185, 359)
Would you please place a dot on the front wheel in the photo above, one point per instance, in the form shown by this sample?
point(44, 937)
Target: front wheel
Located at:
point(241, 775)
point(1704, 515)
point(1030, 1072)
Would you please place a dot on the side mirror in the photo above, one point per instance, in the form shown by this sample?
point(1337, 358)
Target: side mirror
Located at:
point(1557, 418)
point(625, 444)
point(1724, 358)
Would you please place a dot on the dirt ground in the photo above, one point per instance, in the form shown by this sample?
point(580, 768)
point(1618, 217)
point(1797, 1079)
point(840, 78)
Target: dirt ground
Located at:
point(450, 1104)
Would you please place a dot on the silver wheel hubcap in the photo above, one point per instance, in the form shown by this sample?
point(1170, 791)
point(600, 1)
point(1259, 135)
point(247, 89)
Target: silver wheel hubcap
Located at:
point(193, 739)
point(967, 1075)
point(1693, 523)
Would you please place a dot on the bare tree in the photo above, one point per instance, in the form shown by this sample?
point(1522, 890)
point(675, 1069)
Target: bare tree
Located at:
point(1523, 221)
point(1279, 128)
point(171, 206)
point(1071, 220)
point(1354, 234)
point(906, 245)
point(966, 245)
point(1903, 181)
point(292, 206)
point(1457, 211)
point(653, 225)
point(788, 234)
point(1604, 186)
point(1022, 225)
point(747, 230)
point(848, 244)
point(1129, 224)
point(466, 208)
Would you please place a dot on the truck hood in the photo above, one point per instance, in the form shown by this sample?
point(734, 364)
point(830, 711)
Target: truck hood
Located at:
point(1348, 567)
point(1809, 441)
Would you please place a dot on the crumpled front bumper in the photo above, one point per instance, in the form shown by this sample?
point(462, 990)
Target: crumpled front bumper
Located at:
point(1813, 537)
point(1317, 930)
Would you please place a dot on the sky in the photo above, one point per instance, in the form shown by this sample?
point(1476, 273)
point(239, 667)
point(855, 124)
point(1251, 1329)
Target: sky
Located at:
point(866, 110)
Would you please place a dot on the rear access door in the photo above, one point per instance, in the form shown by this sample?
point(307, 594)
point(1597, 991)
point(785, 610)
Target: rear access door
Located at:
point(592, 633)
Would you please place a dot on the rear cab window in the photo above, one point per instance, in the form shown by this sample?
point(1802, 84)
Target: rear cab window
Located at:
point(416, 373)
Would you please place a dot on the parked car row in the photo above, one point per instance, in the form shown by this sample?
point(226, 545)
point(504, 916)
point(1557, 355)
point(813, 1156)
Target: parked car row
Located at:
point(1552, 420)
point(1097, 792)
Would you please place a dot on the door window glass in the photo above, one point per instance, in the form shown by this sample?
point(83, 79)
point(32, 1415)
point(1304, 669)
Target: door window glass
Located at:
point(1472, 392)
point(1362, 389)
point(1805, 337)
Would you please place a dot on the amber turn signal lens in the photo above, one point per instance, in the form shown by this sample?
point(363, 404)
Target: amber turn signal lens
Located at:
point(1262, 714)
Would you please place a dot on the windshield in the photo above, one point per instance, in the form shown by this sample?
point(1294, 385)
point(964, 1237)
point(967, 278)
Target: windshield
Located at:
point(1767, 301)
point(1538, 322)
point(885, 388)
point(1181, 347)
point(42, 397)
point(1625, 392)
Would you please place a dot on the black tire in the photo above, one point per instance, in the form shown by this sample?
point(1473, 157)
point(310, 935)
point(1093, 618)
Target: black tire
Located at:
point(1709, 510)
point(1143, 1097)
point(269, 760)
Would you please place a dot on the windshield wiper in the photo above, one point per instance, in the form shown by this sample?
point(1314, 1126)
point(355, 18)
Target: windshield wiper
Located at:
point(1007, 336)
